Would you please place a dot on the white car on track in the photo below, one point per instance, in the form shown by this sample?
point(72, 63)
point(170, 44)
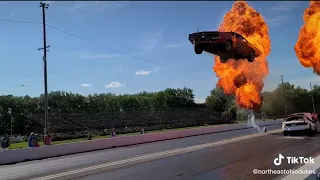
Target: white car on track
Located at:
point(301, 122)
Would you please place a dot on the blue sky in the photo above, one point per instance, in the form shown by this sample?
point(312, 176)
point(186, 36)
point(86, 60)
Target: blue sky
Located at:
point(155, 31)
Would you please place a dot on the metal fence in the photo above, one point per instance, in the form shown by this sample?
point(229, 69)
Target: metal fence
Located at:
point(79, 123)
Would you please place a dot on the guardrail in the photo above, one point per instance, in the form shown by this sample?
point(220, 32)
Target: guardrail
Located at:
point(20, 155)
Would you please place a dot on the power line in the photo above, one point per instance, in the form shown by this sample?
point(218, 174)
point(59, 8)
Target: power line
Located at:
point(16, 21)
point(91, 42)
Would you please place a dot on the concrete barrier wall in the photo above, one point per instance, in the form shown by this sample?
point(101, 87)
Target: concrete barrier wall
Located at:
point(20, 155)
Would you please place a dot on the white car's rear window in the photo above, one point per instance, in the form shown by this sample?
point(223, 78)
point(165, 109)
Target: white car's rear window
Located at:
point(296, 118)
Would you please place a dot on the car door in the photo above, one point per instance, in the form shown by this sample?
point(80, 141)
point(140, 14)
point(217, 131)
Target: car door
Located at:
point(234, 40)
point(246, 48)
point(239, 45)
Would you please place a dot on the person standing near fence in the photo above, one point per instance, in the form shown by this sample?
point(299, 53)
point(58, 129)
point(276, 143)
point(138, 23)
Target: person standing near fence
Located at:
point(36, 140)
point(47, 139)
point(142, 131)
point(89, 136)
point(113, 132)
point(31, 140)
point(5, 143)
point(263, 116)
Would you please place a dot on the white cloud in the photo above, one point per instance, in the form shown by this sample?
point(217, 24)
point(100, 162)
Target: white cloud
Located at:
point(200, 100)
point(115, 84)
point(142, 72)
point(86, 85)
point(177, 45)
point(286, 6)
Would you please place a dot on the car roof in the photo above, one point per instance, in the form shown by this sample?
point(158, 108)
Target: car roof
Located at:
point(306, 114)
point(229, 32)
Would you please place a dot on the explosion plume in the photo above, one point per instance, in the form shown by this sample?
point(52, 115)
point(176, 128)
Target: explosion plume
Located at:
point(307, 47)
point(240, 77)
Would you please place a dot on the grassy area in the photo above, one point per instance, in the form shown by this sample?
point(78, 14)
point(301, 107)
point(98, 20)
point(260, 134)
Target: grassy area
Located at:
point(245, 121)
point(25, 144)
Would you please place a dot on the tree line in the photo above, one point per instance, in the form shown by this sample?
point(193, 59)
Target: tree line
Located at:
point(170, 108)
point(74, 112)
point(285, 99)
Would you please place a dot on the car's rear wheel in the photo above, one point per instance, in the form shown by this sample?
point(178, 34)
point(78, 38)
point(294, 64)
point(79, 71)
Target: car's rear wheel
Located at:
point(311, 132)
point(228, 46)
point(251, 57)
point(198, 49)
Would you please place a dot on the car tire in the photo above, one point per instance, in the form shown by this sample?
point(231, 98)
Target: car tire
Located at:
point(198, 49)
point(285, 133)
point(228, 46)
point(311, 132)
point(251, 57)
point(223, 59)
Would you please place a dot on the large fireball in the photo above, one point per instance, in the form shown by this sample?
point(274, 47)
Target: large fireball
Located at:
point(308, 45)
point(240, 77)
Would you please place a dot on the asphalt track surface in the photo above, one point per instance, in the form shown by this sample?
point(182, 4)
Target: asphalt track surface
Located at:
point(235, 160)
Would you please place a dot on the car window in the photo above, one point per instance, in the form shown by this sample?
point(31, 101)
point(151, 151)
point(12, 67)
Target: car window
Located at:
point(238, 36)
point(294, 118)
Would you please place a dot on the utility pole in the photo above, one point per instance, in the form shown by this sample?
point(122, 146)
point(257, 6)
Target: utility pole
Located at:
point(11, 118)
point(45, 6)
point(283, 92)
point(312, 99)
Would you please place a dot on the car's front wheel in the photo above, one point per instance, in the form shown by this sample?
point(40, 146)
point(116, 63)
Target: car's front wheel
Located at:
point(198, 49)
point(223, 59)
point(251, 57)
point(285, 133)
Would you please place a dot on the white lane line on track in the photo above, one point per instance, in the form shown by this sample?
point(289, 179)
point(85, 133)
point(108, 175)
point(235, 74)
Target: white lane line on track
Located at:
point(288, 137)
point(157, 155)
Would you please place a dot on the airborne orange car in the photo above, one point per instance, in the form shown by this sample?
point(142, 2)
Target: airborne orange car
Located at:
point(227, 45)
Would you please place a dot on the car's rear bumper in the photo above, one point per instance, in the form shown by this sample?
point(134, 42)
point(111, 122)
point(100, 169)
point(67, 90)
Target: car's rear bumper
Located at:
point(295, 128)
point(204, 39)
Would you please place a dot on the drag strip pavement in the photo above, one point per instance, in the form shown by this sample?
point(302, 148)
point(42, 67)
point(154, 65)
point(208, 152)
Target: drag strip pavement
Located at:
point(45, 167)
point(236, 160)
point(145, 158)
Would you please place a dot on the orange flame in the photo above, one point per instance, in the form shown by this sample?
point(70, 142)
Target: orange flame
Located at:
point(307, 47)
point(240, 77)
